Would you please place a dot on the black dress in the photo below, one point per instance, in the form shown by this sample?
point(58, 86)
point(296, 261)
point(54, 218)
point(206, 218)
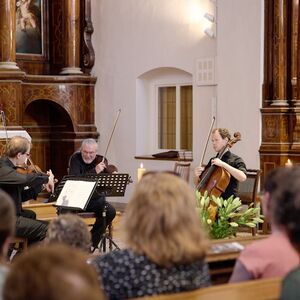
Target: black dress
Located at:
point(125, 274)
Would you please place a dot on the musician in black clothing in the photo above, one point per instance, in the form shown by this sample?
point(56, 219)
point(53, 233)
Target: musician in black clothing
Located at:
point(232, 163)
point(22, 187)
point(87, 161)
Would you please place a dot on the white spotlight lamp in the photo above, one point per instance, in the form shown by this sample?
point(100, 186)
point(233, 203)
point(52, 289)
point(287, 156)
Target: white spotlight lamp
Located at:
point(210, 32)
point(209, 17)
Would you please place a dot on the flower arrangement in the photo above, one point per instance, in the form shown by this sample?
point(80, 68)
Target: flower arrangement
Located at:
point(222, 218)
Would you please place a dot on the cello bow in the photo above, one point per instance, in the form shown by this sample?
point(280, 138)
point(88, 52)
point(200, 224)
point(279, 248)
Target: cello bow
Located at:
point(208, 136)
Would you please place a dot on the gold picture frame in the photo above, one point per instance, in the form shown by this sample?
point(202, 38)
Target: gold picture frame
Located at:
point(31, 29)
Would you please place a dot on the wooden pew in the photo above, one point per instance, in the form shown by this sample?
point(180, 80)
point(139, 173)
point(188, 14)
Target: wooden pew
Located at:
point(262, 289)
point(221, 264)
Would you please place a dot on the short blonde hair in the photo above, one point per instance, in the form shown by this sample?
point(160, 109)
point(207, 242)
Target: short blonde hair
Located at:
point(224, 133)
point(161, 221)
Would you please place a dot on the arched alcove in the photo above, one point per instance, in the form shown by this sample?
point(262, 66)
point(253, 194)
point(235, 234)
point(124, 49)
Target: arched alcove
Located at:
point(52, 133)
point(146, 86)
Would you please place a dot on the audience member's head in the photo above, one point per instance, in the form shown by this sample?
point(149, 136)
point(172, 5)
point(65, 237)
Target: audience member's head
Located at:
point(52, 272)
point(287, 210)
point(273, 182)
point(69, 229)
point(7, 221)
point(161, 221)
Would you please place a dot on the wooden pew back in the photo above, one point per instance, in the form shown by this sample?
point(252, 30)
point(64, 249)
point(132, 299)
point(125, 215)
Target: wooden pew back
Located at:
point(262, 289)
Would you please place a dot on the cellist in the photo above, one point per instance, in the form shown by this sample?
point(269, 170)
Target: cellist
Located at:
point(229, 161)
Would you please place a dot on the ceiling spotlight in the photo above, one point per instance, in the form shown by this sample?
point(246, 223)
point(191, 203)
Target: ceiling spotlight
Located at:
point(210, 32)
point(209, 17)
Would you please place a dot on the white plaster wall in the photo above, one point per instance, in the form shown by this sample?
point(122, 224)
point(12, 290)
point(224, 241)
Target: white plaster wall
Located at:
point(135, 36)
point(240, 61)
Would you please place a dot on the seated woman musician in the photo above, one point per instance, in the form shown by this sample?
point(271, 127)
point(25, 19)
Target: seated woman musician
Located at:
point(225, 159)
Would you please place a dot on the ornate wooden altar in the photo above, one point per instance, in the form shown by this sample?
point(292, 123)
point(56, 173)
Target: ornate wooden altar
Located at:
point(47, 89)
point(281, 104)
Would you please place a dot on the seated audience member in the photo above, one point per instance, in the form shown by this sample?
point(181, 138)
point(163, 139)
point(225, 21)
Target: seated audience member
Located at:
point(52, 272)
point(165, 242)
point(69, 229)
point(289, 214)
point(273, 256)
point(7, 229)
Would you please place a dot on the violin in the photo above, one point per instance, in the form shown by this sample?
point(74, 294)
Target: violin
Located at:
point(215, 179)
point(29, 169)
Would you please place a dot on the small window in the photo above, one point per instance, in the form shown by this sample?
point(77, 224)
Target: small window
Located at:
point(175, 121)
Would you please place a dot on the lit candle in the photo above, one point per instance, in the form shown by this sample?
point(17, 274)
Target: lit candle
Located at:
point(288, 163)
point(140, 171)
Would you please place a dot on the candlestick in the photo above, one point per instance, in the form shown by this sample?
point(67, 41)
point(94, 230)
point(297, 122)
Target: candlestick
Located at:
point(140, 171)
point(289, 163)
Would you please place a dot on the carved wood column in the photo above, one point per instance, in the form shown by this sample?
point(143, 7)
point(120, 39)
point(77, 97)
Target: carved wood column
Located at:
point(8, 35)
point(87, 53)
point(280, 52)
point(294, 50)
point(72, 37)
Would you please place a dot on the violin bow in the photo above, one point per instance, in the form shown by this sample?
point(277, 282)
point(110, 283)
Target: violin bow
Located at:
point(209, 133)
point(112, 132)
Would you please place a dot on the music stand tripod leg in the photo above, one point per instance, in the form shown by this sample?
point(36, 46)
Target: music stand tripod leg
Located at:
point(102, 243)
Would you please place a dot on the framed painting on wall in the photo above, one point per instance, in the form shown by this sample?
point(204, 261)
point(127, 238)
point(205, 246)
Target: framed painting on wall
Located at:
point(31, 29)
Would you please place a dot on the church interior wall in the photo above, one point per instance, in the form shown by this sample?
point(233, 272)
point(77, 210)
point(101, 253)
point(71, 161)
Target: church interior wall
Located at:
point(133, 37)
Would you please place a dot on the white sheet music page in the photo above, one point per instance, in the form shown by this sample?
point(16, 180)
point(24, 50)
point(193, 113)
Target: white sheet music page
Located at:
point(75, 193)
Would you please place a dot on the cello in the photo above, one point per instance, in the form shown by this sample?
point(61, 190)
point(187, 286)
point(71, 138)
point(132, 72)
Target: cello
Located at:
point(215, 179)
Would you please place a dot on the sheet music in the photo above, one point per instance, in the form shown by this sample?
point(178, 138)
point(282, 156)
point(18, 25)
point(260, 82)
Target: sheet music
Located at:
point(227, 247)
point(75, 193)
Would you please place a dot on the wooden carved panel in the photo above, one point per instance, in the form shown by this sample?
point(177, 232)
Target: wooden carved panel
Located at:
point(9, 102)
point(276, 128)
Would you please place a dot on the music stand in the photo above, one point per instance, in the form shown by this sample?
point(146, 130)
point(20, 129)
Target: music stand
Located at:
point(76, 193)
point(112, 185)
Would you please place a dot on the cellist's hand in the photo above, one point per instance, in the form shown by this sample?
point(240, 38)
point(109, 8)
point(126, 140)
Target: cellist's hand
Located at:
point(198, 171)
point(217, 162)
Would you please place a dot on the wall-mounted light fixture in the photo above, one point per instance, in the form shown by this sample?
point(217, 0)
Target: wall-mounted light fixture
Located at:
point(212, 30)
point(209, 17)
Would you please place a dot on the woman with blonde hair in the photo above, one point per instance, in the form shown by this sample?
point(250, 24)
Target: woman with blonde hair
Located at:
point(165, 243)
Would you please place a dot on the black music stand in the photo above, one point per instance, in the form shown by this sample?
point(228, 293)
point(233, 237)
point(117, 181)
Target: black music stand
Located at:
point(112, 185)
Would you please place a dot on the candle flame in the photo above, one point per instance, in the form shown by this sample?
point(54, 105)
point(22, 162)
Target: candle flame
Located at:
point(141, 166)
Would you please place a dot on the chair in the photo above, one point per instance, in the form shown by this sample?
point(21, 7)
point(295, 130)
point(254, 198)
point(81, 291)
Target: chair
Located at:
point(247, 190)
point(183, 169)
